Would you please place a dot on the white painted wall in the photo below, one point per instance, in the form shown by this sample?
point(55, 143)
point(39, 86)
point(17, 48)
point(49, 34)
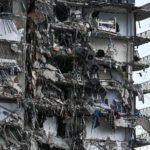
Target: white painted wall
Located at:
point(119, 46)
point(104, 131)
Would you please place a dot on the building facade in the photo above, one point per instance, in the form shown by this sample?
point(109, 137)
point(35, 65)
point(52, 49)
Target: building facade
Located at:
point(66, 74)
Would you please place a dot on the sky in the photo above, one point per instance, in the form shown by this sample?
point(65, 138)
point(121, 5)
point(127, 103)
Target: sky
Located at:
point(143, 50)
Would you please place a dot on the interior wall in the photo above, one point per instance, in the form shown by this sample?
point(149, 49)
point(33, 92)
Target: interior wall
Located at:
point(119, 48)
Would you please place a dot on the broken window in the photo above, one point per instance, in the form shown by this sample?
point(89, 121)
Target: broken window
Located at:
point(66, 65)
point(61, 11)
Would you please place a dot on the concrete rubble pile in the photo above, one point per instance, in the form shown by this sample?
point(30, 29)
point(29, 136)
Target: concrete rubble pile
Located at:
point(66, 75)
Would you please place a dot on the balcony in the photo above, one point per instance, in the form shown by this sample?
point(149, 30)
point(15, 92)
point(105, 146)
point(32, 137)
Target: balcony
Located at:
point(145, 112)
point(142, 12)
point(141, 63)
point(142, 38)
point(146, 87)
point(142, 140)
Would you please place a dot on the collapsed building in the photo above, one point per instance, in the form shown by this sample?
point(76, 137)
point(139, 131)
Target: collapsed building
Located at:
point(66, 74)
